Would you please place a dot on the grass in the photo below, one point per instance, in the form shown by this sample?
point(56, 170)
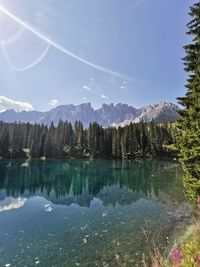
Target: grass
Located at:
point(188, 249)
point(185, 253)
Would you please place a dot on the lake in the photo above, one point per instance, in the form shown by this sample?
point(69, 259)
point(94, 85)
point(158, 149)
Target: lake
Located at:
point(87, 213)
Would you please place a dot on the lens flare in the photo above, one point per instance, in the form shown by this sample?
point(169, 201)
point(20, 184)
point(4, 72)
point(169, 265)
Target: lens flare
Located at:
point(50, 42)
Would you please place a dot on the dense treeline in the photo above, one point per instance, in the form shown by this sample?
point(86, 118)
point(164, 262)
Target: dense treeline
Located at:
point(67, 141)
point(19, 140)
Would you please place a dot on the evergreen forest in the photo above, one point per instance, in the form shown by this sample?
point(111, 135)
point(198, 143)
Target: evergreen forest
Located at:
point(21, 140)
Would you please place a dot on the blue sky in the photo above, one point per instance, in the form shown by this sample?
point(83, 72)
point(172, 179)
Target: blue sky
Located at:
point(136, 46)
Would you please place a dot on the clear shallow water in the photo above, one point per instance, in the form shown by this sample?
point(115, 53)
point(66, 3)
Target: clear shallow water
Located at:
point(86, 213)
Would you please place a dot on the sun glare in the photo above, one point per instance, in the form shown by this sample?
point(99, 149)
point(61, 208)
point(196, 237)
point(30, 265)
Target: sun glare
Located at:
point(21, 48)
point(49, 42)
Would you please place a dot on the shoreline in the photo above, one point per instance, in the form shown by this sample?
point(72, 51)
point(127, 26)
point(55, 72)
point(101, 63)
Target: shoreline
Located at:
point(184, 245)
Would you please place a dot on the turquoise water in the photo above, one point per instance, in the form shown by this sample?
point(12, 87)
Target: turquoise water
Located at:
point(86, 213)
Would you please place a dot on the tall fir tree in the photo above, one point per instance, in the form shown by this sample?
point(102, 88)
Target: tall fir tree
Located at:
point(189, 122)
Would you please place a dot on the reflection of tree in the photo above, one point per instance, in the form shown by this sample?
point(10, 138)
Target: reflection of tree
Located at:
point(79, 181)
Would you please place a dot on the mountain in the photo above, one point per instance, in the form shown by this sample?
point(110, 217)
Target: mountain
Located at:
point(162, 112)
point(112, 114)
point(107, 115)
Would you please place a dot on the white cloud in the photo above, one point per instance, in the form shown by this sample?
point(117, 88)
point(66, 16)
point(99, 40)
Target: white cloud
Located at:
point(10, 203)
point(84, 98)
point(89, 85)
point(103, 96)
point(124, 84)
point(53, 102)
point(86, 88)
point(7, 103)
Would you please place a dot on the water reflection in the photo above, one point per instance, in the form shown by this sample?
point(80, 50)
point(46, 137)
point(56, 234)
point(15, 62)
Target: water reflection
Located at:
point(76, 181)
point(10, 203)
point(87, 213)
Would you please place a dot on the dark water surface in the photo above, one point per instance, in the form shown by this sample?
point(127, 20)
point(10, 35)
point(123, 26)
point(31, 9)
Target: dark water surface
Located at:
point(86, 213)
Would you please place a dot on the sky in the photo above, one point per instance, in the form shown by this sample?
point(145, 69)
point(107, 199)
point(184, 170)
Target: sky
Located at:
point(55, 52)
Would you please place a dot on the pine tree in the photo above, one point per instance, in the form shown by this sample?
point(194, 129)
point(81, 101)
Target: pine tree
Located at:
point(49, 146)
point(114, 143)
point(4, 142)
point(189, 123)
point(78, 132)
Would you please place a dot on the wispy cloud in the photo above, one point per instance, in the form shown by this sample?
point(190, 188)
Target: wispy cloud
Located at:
point(103, 96)
point(123, 85)
point(7, 103)
point(89, 85)
point(84, 98)
point(53, 102)
point(86, 87)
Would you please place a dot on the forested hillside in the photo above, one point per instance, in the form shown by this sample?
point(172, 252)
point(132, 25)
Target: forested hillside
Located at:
point(19, 140)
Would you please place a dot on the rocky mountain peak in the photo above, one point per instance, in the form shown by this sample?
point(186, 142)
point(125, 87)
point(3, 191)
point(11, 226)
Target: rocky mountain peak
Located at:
point(107, 115)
